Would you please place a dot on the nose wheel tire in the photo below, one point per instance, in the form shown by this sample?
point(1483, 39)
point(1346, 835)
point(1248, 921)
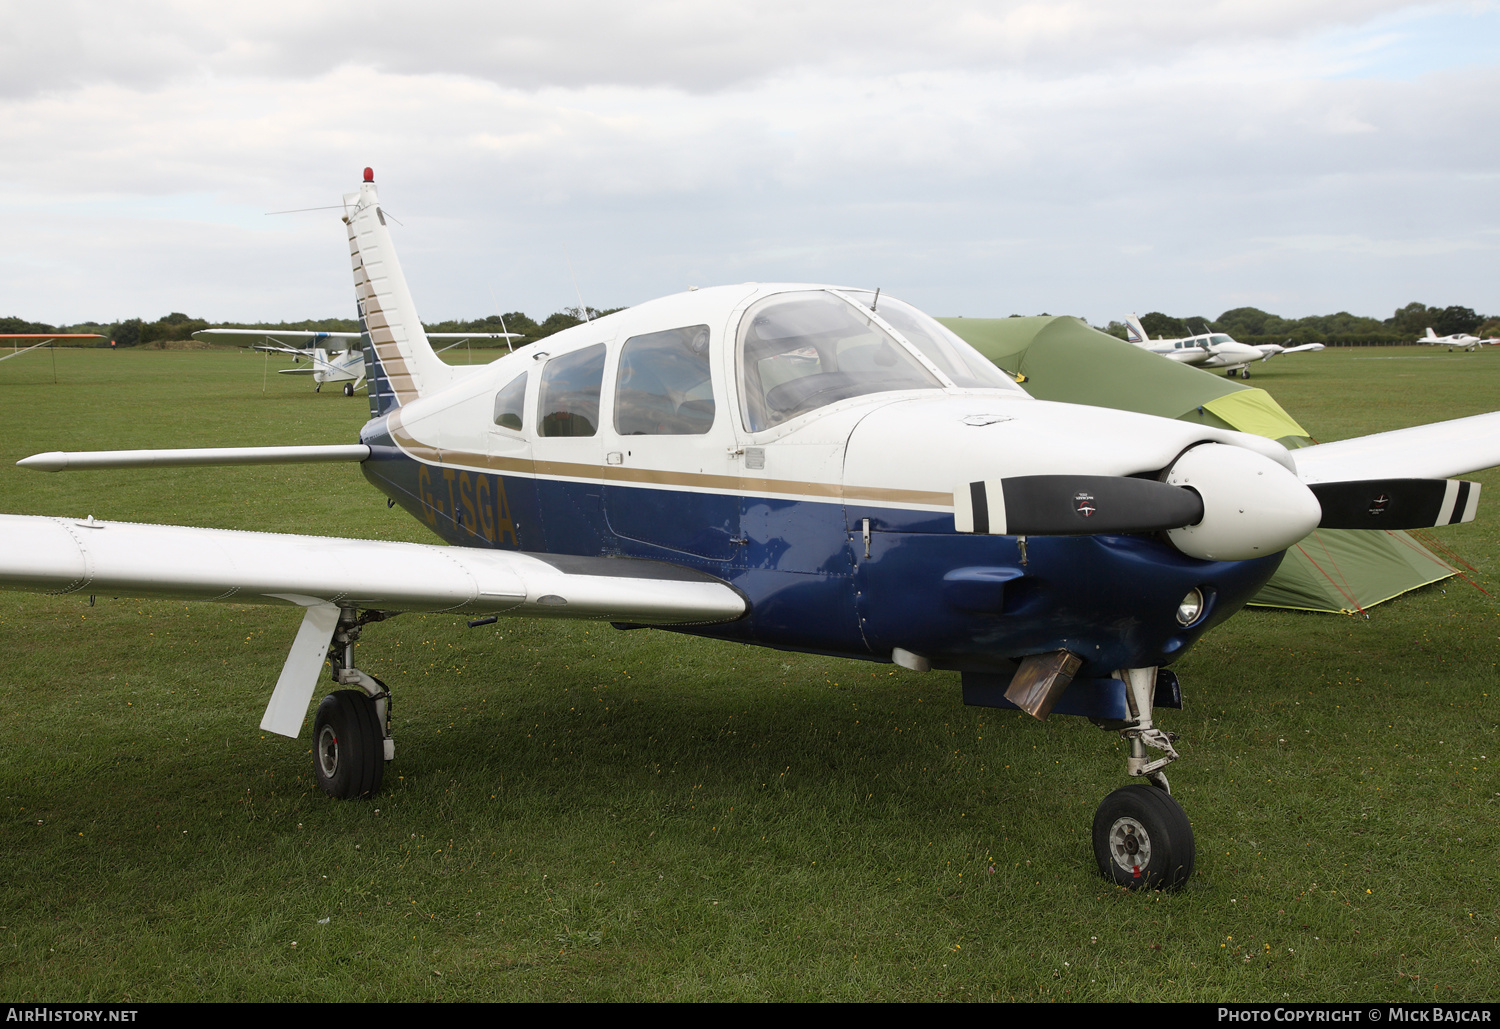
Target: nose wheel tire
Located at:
point(1142, 839)
point(348, 746)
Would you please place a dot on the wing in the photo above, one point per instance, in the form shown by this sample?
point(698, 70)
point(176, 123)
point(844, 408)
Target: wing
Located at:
point(323, 575)
point(1425, 451)
point(70, 555)
point(249, 337)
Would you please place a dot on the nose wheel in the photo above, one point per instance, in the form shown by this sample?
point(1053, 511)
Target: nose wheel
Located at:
point(1142, 839)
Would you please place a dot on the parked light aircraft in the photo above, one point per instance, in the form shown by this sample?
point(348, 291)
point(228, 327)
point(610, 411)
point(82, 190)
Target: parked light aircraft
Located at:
point(1216, 350)
point(1457, 339)
point(795, 466)
point(346, 364)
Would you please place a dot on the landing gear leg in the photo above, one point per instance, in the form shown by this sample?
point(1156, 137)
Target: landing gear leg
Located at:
point(1142, 838)
point(352, 732)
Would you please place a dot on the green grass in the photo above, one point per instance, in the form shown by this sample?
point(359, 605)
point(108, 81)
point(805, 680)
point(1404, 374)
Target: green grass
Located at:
point(579, 813)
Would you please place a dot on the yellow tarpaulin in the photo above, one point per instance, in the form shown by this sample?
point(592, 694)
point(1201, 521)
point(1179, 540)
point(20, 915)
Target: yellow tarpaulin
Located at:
point(1255, 410)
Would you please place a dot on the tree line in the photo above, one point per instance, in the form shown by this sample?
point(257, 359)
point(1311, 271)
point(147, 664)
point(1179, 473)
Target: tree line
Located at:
point(175, 327)
point(1246, 324)
point(1252, 325)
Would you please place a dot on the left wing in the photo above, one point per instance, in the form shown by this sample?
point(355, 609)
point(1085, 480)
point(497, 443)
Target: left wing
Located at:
point(75, 555)
point(326, 575)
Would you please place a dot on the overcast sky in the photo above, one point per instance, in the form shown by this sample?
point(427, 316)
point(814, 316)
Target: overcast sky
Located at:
point(979, 159)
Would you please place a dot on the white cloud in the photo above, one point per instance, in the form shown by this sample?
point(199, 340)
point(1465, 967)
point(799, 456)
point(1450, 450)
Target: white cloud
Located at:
point(980, 158)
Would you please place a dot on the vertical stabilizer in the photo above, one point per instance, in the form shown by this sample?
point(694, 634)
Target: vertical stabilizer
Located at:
point(1134, 332)
point(400, 363)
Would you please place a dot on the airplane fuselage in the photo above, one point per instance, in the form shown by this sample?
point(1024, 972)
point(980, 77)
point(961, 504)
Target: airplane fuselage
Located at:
point(837, 524)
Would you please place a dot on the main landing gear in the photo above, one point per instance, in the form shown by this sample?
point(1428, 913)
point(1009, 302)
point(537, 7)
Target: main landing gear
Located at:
point(352, 730)
point(1142, 838)
point(348, 389)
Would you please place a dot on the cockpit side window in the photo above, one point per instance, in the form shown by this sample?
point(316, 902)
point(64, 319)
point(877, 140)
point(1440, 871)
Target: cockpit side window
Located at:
point(569, 401)
point(510, 404)
point(663, 386)
point(802, 351)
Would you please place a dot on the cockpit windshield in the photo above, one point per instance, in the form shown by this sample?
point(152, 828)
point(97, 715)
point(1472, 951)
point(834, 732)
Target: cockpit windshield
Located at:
point(956, 359)
point(802, 351)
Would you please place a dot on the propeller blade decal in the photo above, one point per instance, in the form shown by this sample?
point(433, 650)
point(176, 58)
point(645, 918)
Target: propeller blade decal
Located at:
point(1396, 503)
point(1073, 505)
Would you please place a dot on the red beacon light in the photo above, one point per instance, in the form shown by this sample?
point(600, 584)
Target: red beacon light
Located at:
point(369, 174)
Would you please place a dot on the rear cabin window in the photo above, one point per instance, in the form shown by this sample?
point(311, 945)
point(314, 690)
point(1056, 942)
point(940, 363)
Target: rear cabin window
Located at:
point(663, 388)
point(569, 400)
point(510, 404)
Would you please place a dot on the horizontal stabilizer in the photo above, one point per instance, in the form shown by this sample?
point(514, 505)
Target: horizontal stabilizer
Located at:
point(1073, 505)
point(63, 461)
point(1396, 503)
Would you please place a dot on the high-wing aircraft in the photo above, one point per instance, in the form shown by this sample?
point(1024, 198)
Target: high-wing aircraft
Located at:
point(803, 467)
point(345, 364)
point(1457, 340)
point(1217, 350)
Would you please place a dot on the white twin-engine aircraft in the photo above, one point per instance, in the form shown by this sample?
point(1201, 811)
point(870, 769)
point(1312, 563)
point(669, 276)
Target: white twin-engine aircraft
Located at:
point(1217, 350)
point(795, 466)
point(345, 364)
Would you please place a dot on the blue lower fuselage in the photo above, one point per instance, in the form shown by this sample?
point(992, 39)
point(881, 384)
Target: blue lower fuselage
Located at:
point(818, 581)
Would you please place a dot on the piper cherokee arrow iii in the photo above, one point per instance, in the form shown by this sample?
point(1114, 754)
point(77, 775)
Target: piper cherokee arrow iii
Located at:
point(803, 467)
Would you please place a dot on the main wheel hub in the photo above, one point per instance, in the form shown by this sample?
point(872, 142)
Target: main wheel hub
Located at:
point(328, 751)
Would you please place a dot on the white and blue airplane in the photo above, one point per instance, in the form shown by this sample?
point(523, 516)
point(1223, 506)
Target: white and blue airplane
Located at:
point(804, 467)
point(1216, 350)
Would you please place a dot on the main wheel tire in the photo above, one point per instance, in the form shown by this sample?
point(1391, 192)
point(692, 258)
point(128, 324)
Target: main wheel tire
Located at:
point(1142, 839)
point(348, 746)
point(348, 389)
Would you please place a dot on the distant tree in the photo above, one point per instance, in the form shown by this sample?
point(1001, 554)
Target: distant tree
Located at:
point(1157, 325)
point(127, 333)
point(1456, 319)
point(1245, 321)
point(18, 325)
point(1116, 329)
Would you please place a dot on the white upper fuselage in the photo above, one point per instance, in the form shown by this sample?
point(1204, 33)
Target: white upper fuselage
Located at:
point(906, 448)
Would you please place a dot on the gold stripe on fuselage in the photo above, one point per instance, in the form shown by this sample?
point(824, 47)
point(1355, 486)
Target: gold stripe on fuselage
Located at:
point(429, 454)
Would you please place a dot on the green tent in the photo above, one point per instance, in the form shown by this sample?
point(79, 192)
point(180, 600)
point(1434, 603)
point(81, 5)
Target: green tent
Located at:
point(1057, 358)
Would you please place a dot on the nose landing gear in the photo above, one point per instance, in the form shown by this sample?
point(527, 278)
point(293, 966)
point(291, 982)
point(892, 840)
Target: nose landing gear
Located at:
point(1141, 835)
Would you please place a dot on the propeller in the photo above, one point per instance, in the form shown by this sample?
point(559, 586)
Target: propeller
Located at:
point(1396, 503)
point(1217, 502)
point(1078, 505)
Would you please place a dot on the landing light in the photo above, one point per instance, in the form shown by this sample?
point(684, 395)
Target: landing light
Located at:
point(1190, 608)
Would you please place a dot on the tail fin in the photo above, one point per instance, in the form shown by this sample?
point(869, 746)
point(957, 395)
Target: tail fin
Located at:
point(1134, 332)
point(1430, 333)
point(399, 362)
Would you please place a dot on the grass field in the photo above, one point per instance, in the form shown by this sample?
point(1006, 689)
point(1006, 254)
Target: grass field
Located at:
point(579, 813)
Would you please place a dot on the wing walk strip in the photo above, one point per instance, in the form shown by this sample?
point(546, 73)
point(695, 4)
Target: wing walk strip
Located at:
point(429, 454)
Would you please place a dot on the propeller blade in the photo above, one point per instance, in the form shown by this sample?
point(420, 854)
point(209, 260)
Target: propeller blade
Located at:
point(1073, 505)
point(1395, 503)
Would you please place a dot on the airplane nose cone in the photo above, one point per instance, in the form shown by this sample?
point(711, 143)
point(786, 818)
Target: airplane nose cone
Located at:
point(1252, 506)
